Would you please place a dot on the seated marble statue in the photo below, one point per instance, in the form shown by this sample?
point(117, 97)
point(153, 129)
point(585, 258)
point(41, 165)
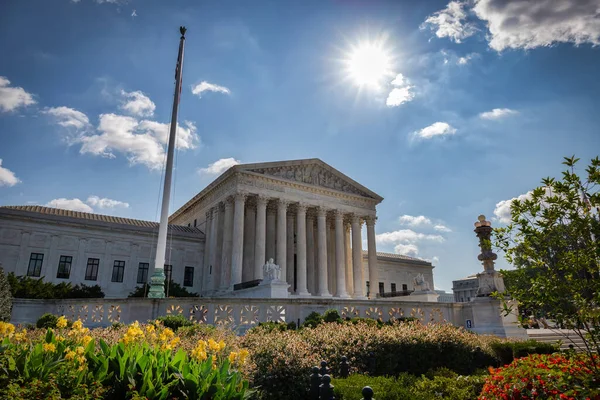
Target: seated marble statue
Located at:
point(420, 283)
point(271, 271)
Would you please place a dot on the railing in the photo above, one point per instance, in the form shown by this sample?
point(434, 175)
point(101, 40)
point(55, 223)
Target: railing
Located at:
point(395, 294)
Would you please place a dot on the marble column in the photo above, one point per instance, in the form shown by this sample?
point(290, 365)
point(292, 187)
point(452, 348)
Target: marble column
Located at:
point(357, 258)
point(260, 236)
point(271, 234)
point(24, 255)
point(249, 244)
point(322, 257)
point(340, 256)
point(301, 250)
point(225, 267)
point(331, 273)
point(207, 244)
point(212, 247)
point(311, 265)
point(348, 254)
point(237, 240)
point(372, 257)
point(220, 229)
point(281, 255)
point(289, 274)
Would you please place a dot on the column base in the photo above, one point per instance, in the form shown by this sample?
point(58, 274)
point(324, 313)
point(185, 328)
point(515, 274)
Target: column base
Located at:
point(325, 295)
point(360, 298)
point(343, 296)
point(303, 294)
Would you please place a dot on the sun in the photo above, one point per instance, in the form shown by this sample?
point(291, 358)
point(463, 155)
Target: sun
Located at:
point(368, 64)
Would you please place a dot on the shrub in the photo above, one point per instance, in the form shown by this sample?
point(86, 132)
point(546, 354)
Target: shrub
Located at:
point(26, 287)
point(270, 326)
point(385, 388)
point(312, 320)
point(47, 321)
point(449, 386)
point(332, 315)
point(174, 322)
point(5, 297)
point(544, 376)
point(174, 290)
point(507, 351)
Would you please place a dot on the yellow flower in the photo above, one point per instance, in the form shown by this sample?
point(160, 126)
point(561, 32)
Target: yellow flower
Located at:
point(202, 344)
point(81, 359)
point(213, 346)
point(86, 339)
point(221, 345)
point(232, 357)
point(59, 338)
point(77, 325)
point(149, 328)
point(81, 367)
point(80, 350)
point(175, 341)
point(243, 355)
point(166, 334)
point(61, 322)
point(199, 354)
point(70, 355)
point(6, 329)
point(49, 347)
point(21, 336)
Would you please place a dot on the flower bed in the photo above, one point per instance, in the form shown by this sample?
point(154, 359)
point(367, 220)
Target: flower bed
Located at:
point(144, 361)
point(555, 376)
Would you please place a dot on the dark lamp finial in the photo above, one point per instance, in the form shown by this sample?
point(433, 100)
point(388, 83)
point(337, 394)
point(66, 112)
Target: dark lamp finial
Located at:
point(182, 30)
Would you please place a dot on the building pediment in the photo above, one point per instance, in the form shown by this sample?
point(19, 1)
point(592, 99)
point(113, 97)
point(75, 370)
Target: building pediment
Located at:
point(311, 172)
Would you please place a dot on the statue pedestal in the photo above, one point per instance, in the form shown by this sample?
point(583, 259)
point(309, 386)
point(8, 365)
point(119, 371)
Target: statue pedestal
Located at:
point(486, 316)
point(424, 295)
point(274, 289)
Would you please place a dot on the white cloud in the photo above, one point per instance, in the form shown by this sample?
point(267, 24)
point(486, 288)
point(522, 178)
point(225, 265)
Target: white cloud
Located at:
point(70, 204)
point(7, 177)
point(68, 117)
point(402, 93)
point(442, 228)
point(13, 97)
point(466, 59)
point(498, 113)
point(406, 249)
point(219, 166)
point(502, 210)
point(406, 236)
point(436, 129)
point(142, 142)
point(209, 87)
point(451, 22)
point(96, 201)
point(137, 104)
point(133, 13)
point(411, 220)
point(529, 24)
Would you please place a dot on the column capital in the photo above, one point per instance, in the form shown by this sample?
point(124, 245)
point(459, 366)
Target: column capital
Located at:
point(240, 196)
point(283, 203)
point(301, 207)
point(322, 212)
point(228, 202)
point(356, 219)
point(338, 214)
point(262, 200)
point(371, 220)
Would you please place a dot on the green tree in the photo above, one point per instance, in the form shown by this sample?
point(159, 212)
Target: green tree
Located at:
point(553, 243)
point(5, 297)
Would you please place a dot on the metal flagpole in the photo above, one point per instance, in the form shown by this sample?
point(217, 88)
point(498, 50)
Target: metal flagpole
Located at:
point(157, 281)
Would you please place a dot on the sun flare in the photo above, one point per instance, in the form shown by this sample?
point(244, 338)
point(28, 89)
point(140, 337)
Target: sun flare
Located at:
point(368, 64)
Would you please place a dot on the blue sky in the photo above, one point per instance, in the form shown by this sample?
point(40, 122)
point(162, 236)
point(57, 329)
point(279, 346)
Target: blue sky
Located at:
point(480, 101)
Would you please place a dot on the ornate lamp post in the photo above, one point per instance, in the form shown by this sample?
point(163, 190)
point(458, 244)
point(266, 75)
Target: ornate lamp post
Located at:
point(490, 280)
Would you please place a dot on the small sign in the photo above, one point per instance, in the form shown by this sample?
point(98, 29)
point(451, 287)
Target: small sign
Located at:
point(469, 324)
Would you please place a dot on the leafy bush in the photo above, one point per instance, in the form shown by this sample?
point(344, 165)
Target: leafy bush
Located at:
point(544, 376)
point(174, 290)
point(452, 387)
point(5, 297)
point(174, 322)
point(145, 362)
point(507, 351)
point(47, 321)
point(332, 315)
point(26, 287)
point(312, 320)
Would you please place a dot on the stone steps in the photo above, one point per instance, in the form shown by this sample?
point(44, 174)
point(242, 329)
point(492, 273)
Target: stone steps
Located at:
point(567, 337)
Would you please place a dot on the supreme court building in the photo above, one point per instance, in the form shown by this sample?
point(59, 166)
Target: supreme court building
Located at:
point(305, 215)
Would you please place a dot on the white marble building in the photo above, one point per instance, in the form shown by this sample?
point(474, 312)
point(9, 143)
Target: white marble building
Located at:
point(304, 214)
point(465, 289)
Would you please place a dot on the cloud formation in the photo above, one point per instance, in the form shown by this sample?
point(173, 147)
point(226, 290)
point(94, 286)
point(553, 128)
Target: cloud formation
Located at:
point(422, 221)
point(406, 241)
point(7, 177)
point(520, 24)
point(102, 203)
point(435, 129)
point(502, 209)
point(401, 93)
point(209, 87)
point(498, 113)
point(218, 167)
point(137, 104)
point(451, 22)
point(68, 117)
point(13, 97)
point(70, 204)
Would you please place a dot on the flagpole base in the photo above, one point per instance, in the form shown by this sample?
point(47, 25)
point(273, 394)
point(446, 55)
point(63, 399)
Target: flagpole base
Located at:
point(157, 284)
